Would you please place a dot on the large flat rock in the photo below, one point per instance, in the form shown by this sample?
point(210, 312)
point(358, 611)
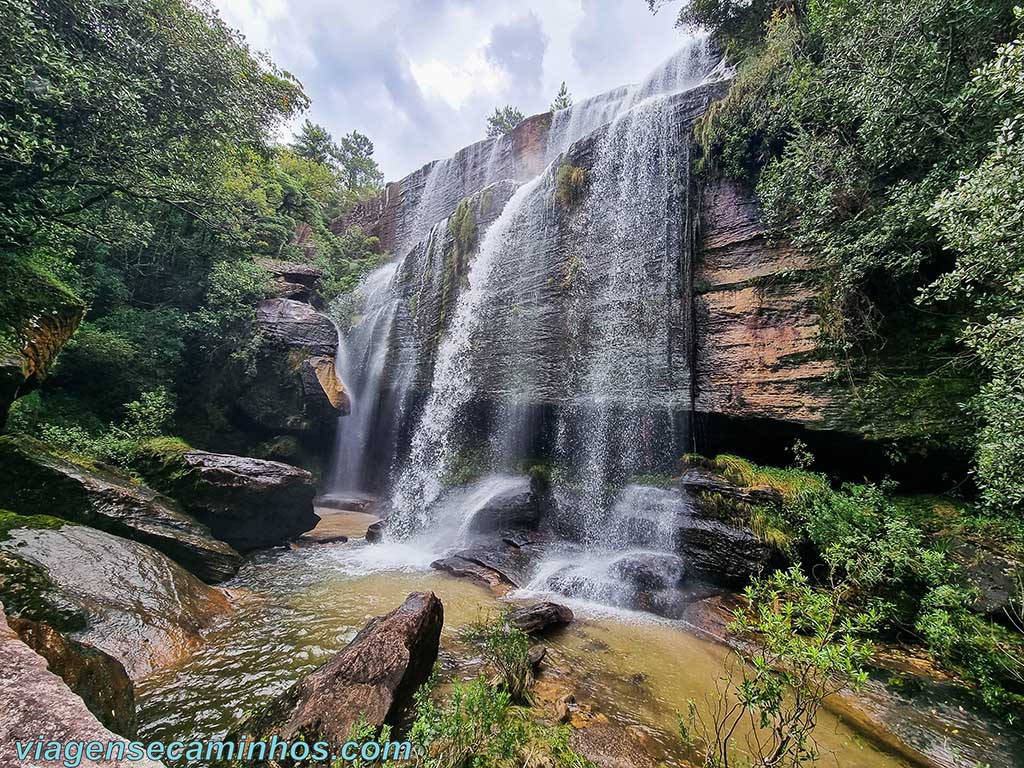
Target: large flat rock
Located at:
point(140, 606)
point(35, 703)
point(248, 503)
point(36, 479)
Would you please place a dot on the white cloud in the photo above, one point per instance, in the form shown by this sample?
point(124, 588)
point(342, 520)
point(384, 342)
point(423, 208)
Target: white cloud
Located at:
point(420, 76)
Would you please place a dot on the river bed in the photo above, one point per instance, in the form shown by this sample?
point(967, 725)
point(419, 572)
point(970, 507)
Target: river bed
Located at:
point(299, 607)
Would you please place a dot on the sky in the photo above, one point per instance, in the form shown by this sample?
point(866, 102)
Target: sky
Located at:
point(420, 77)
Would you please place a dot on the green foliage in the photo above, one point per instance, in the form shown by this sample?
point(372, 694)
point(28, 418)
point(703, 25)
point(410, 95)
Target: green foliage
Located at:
point(570, 184)
point(351, 159)
point(890, 148)
point(888, 555)
point(806, 647)
point(129, 101)
point(119, 444)
point(506, 648)
point(563, 100)
point(503, 121)
point(478, 727)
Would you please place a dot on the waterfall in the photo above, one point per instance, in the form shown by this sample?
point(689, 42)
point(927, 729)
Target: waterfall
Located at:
point(564, 338)
point(432, 446)
point(362, 356)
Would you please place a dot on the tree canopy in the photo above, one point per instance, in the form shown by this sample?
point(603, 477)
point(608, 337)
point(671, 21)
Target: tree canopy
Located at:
point(503, 121)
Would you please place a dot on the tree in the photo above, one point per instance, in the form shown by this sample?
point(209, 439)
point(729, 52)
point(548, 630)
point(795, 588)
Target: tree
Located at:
point(804, 649)
point(503, 121)
point(136, 100)
point(359, 170)
point(563, 100)
point(314, 143)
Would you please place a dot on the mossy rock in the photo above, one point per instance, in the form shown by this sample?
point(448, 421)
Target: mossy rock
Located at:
point(27, 591)
point(38, 314)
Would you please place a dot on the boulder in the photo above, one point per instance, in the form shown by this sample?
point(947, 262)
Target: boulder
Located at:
point(722, 553)
point(375, 531)
point(996, 579)
point(293, 325)
point(248, 503)
point(650, 571)
point(37, 317)
point(324, 392)
point(138, 605)
point(517, 505)
point(99, 679)
point(36, 704)
point(295, 389)
point(715, 536)
point(540, 617)
point(372, 679)
point(36, 478)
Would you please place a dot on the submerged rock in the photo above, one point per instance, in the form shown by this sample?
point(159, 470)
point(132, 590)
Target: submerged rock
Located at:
point(98, 678)
point(35, 703)
point(139, 606)
point(248, 503)
point(540, 617)
point(36, 478)
point(372, 679)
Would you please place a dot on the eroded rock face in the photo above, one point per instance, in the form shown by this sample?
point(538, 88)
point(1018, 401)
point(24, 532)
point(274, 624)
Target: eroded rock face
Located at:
point(99, 679)
point(140, 607)
point(295, 390)
point(758, 327)
point(34, 703)
point(299, 282)
point(36, 479)
point(248, 503)
point(32, 331)
point(373, 678)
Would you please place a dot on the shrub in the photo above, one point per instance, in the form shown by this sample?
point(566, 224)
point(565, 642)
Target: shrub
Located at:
point(507, 649)
point(570, 184)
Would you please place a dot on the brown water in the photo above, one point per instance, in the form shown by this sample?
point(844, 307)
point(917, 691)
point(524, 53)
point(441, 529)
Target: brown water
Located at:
point(303, 606)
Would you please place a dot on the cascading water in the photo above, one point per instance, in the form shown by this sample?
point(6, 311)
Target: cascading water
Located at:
point(362, 355)
point(568, 341)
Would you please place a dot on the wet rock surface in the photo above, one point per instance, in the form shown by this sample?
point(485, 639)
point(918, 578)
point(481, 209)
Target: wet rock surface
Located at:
point(98, 678)
point(35, 478)
point(295, 389)
point(140, 607)
point(34, 703)
point(540, 617)
point(648, 571)
point(715, 537)
point(517, 508)
point(248, 503)
point(996, 578)
point(372, 679)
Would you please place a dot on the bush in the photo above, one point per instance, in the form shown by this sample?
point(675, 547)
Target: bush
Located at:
point(507, 649)
point(479, 727)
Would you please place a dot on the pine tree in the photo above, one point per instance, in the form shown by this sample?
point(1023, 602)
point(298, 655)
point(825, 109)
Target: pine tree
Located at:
point(503, 121)
point(563, 100)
